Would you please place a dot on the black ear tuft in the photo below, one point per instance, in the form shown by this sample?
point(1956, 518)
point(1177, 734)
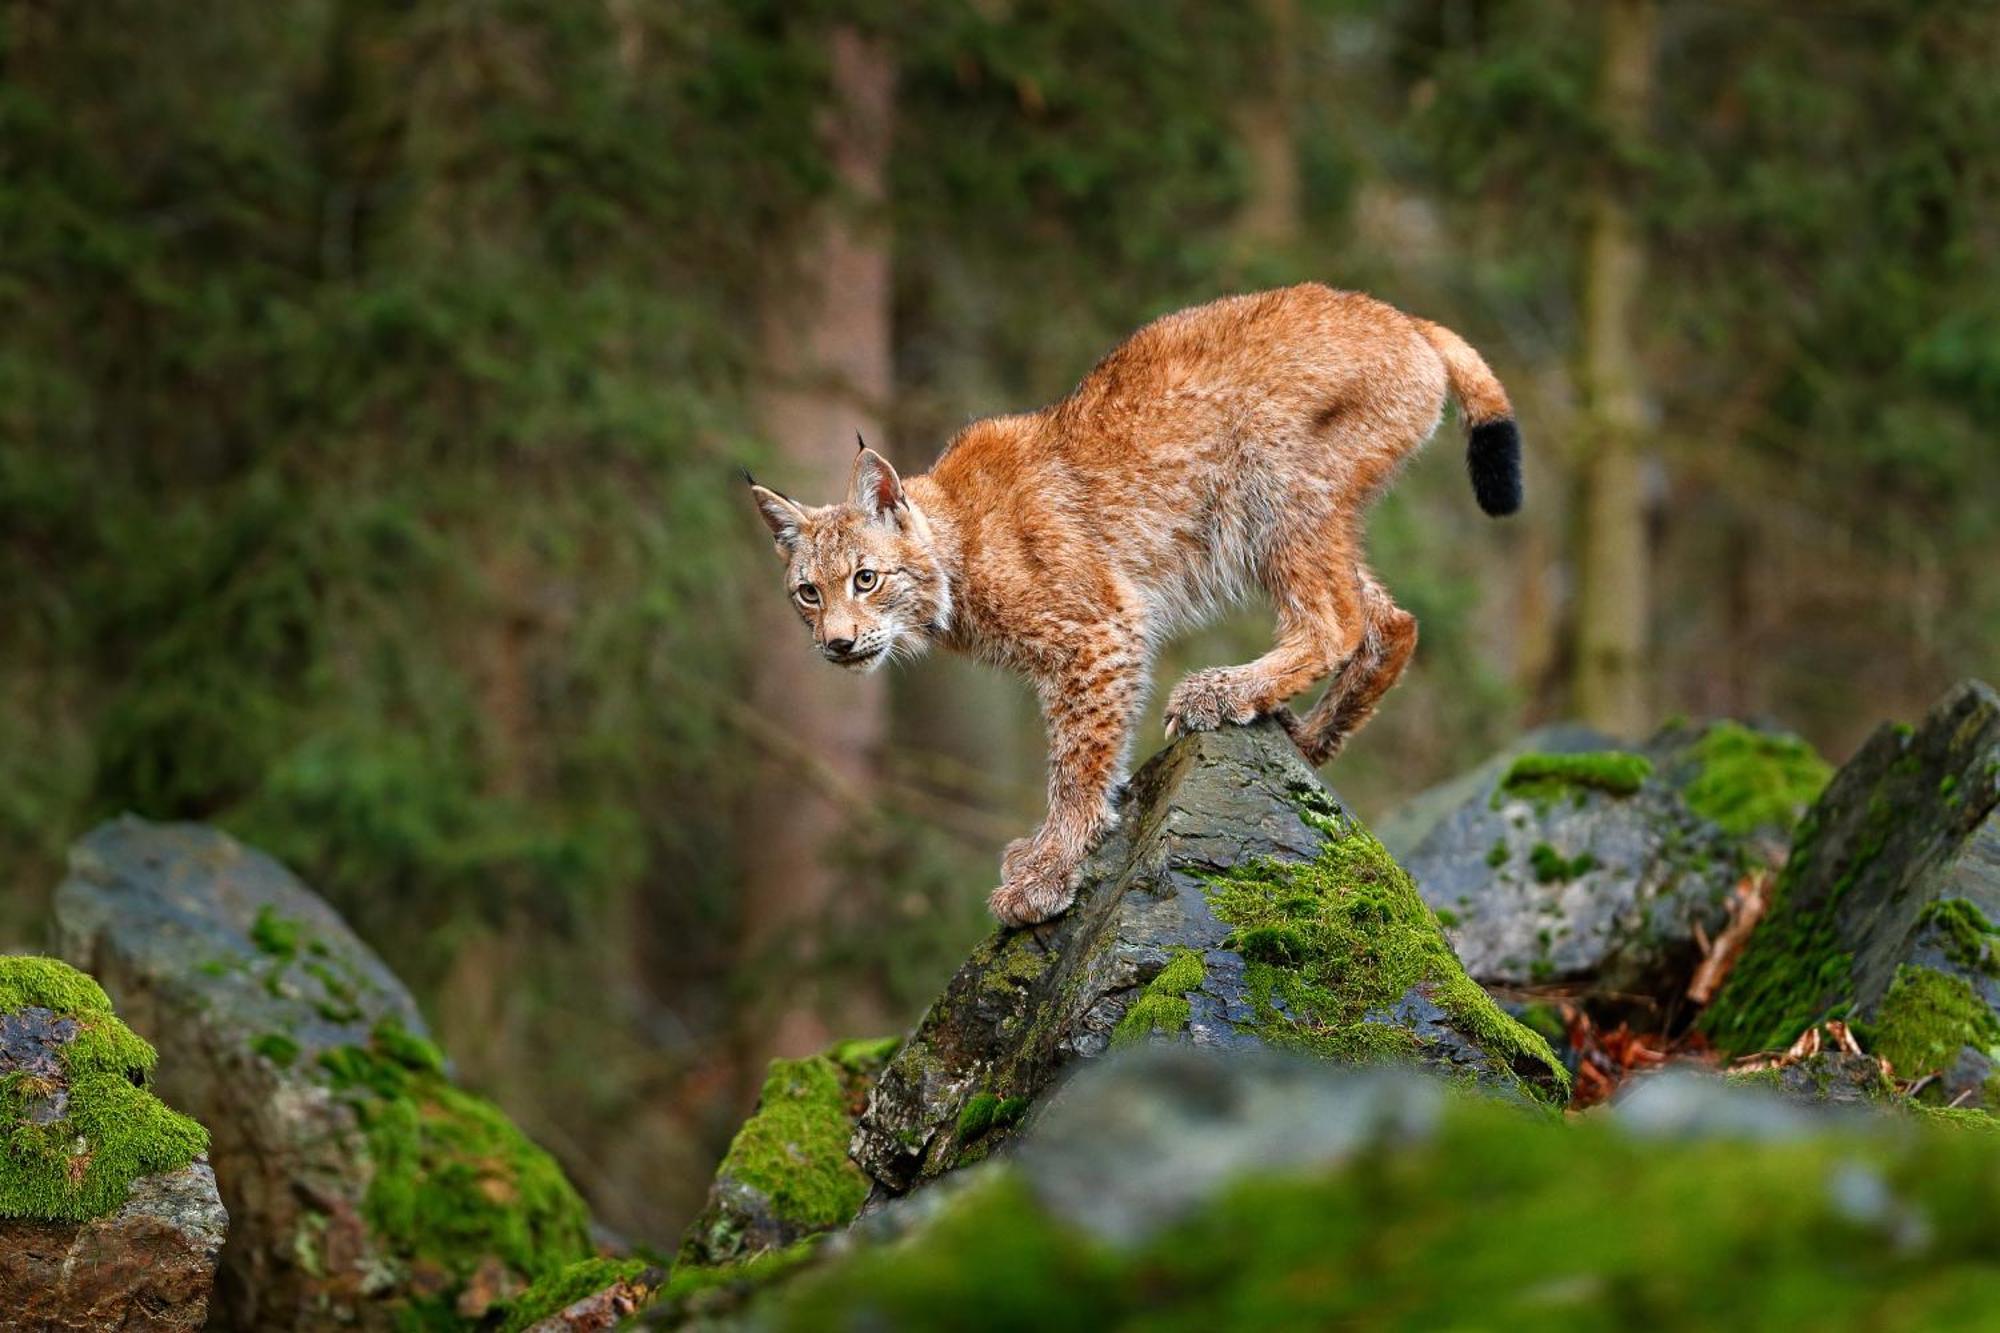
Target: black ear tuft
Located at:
point(1493, 457)
point(859, 443)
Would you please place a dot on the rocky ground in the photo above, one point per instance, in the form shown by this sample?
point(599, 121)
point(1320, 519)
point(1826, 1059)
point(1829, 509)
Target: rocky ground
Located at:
point(1265, 1073)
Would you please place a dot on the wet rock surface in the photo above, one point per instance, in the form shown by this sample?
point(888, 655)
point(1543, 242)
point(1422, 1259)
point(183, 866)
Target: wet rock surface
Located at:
point(148, 1267)
point(1573, 860)
point(1885, 913)
point(1147, 953)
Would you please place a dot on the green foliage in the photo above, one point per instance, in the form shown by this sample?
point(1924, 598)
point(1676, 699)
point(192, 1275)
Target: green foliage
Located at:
point(1493, 1220)
point(1544, 777)
point(109, 1132)
point(1331, 941)
point(1748, 779)
point(454, 1182)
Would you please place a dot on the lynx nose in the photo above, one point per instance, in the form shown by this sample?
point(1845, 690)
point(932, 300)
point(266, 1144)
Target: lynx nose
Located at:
point(840, 647)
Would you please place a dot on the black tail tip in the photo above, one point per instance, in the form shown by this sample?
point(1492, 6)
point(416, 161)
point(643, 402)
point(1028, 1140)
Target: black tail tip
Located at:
point(1493, 457)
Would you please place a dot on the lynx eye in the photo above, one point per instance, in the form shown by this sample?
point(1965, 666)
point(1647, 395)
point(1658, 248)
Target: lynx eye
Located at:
point(864, 579)
point(808, 594)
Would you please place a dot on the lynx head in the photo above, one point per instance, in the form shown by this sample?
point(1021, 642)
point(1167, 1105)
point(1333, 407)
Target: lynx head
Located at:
point(863, 575)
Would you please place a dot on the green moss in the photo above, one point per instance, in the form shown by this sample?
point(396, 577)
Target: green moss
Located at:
point(566, 1286)
point(864, 1054)
point(987, 1111)
point(1544, 777)
point(690, 1280)
point(1927, 1017)
point(1746, 780)
point(1552, 867)
point(111, 1131)
point(1968, 932)
point(273, 934)
point(793, 1151)
point(1357, 939)
point(278, 1048)
point(1163, 1005)
point(454, 1180)
point(1445, 916)
point(1496, 855)
point(1795, 972)
point(1491, 1220)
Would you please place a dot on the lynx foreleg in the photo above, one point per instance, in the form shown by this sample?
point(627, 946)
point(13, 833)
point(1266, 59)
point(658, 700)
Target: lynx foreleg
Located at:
point(1089, 709)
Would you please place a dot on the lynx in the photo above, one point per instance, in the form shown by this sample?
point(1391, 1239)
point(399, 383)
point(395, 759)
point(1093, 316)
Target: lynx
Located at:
point(1236, 442)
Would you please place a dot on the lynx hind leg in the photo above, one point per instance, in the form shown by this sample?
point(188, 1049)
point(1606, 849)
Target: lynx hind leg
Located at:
point(1388, 640)
point(1319, 627)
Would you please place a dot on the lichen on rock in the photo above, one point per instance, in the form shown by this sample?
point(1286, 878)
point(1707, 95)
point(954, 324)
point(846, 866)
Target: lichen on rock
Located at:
point(79, 1120)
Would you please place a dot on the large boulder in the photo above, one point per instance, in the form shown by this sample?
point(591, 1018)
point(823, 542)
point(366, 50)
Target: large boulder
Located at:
point(1601, 865)
point(1183, 1189)
point(1238, 906)
point(109, 1218)
point(1885, 913)
point(365, 1188)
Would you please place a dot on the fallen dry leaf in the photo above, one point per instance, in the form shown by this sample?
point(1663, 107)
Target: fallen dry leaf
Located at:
point(1747, 903)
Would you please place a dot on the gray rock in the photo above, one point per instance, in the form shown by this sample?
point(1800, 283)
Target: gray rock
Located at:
point(1574, 883)
point(1404, 829)
point(146, 1267)
point(1137, 1143)
point(1029, 1003)
point(1885, 912)
point(244, 978)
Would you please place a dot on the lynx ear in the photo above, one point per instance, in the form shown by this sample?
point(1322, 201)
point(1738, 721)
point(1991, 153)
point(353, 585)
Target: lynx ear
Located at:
point(878, 491)
point(782, 515)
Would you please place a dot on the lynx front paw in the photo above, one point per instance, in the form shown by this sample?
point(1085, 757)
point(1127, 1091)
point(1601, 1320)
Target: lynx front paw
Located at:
point(1206, 700)
point(1034, 885)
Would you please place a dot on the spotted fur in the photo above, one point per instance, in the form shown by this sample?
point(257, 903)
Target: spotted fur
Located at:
point(1231, 445)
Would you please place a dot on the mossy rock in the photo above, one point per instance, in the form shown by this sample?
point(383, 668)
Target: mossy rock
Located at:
point(365, 1189)
point(1243, 1197)
point(787, 1174)
point(1237, 905)
point(1599, 867)
point(79, 1119)
point(1884, 913)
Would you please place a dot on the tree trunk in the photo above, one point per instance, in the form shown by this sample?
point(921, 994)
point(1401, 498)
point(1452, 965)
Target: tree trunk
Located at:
point(1270, 217)
point(824, 312)
point(1612, 603)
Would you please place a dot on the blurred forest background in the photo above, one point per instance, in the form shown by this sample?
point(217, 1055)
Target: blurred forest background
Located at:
point(373, 375)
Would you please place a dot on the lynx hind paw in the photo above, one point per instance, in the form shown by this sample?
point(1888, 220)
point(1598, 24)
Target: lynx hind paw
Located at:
point(1206, 700)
